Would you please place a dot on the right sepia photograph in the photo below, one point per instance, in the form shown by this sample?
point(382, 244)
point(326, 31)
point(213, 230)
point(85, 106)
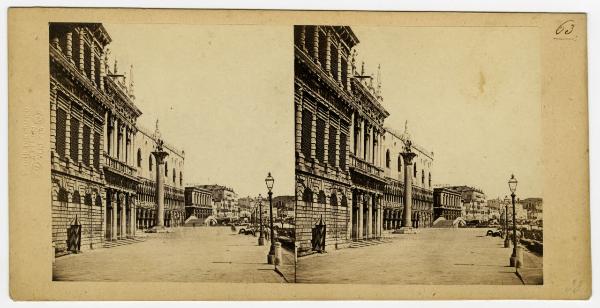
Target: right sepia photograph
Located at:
point(418, 155)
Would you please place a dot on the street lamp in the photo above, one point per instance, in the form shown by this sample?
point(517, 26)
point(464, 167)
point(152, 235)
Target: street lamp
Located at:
point(269, 182)
point(506, 236)
point(261, 237)
point(514, 259)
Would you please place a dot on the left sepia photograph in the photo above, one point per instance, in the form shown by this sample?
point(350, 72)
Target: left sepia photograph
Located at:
point(167, 160)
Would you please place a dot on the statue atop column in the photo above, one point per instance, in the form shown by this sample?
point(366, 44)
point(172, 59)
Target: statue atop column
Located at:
point(407, 155)
point(159, 154)
point(406, 138)
point(158, 138)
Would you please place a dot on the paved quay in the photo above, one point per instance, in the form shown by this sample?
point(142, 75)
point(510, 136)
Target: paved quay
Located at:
point(433, 256)
point(202, 254)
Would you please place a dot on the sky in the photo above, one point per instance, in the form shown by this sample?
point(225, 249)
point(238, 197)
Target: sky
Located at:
point(223, 94)
point(472, 95)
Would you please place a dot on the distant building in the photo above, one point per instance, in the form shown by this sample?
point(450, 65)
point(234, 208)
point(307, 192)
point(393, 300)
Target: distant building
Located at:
point(285, 206)
point(533, 206)
point(496, 208)
point(474, 203)
point(520, 212)
point(447, 203)
point(246, 206)
point(198, 202)
point(225, 201)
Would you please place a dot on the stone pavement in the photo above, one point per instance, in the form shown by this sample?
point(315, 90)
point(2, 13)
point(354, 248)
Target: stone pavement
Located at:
point(532, 270)
point(433, 256)
point(288, 267)
point(202, 254)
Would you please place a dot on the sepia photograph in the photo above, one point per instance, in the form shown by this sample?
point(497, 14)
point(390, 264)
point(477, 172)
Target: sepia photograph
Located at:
point(155, 131)
point(418, 155)
point(185, 154)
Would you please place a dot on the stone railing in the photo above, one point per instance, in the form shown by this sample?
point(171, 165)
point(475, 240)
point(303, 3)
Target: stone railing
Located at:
point(118, 166)
point(364, 166)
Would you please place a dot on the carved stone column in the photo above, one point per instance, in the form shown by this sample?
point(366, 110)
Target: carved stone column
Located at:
point(299, 97)
point(160, 155)
point(359, 221)
point(369, 216)
point(69, 51)
point(408, 157)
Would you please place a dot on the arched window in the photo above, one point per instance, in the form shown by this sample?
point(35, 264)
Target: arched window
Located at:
point(422, 176)
point(139, 158)
point(98, 200)
point(150, 162)
point(174, 176)
point(321, 197)
point(387, 158)
point(76, 197)
point(399, 163)
point(180, 178)
point(307, 195)
point(415, 170)
point(333, 199)
point(166, 169)
point(63, 195)
point(429, 179)
point(87, 199)
point(344, 200)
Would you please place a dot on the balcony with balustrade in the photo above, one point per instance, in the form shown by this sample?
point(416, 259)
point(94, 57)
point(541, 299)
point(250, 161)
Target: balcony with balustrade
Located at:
point(366, 168)
point(118, 167)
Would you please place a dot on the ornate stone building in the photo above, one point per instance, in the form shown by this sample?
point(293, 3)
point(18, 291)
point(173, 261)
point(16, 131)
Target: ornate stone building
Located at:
point(422, 190)
point(96, 179)
point(324, 105)
point(174, 167)
point(92, 125)
point(340, 147)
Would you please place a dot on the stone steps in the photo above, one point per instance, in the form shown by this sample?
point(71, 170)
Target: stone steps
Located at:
point(365, 243)
point(123, 242)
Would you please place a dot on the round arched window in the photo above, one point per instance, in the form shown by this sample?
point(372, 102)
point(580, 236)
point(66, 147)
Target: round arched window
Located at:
point(139, 158)
point(387, 159)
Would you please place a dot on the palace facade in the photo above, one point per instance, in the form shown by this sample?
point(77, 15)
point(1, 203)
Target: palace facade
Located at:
point(422, 215)
point(174, 165)
point(340, 146)
point(93, 136)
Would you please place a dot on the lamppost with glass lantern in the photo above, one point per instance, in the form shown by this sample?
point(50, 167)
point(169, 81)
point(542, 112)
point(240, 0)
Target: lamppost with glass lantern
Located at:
point(506, 236)
point(261, 237)
point(514, 259)
point(269, 182)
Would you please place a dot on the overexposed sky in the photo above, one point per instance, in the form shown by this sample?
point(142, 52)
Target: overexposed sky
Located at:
point(223, 94)
point(470, 94)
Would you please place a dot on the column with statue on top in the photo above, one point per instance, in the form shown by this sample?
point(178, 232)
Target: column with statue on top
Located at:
point(159, 154)
point(408, 155)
